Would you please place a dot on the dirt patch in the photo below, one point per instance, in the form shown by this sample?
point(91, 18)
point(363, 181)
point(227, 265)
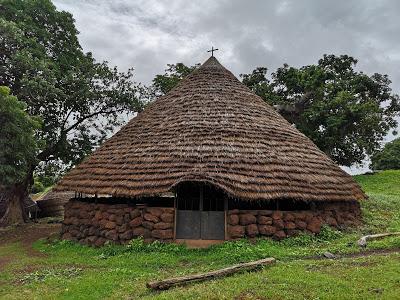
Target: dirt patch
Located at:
point(5, 260)
point(27, 234)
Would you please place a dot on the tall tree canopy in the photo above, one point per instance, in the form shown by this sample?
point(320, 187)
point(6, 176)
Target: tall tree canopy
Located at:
point(79, 100)
point(388, 158)
point(18, 148)
point(346, 113)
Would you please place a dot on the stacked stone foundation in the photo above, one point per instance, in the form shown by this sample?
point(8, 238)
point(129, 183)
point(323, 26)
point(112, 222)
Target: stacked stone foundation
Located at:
point(95, 224)
point(281, 224)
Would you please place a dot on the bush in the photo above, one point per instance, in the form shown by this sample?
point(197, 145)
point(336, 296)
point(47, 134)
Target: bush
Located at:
point(388, 158)
point(37, 187)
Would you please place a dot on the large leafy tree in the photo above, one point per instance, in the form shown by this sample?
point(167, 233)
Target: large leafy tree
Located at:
point(388, 158)
point(18, 148)
point(345, 112)
point(79, 100)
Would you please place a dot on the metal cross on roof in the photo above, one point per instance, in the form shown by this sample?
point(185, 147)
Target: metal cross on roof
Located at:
point(212, 50)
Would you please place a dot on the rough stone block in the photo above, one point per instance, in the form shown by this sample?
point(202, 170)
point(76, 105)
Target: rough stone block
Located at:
point(236, 231)
point(264, 220)
point(246, 219)
point(233, 219)
point(151, 218)
point(252, 230)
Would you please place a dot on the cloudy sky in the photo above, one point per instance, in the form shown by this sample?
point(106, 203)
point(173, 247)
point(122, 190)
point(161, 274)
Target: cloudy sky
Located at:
point(149, 34)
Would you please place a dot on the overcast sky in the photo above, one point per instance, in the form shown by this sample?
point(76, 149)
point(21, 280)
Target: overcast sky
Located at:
point(146, 35)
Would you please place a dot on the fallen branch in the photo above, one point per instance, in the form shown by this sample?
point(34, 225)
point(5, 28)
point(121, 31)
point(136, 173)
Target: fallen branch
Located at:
point(167, 283)
point(362, 242)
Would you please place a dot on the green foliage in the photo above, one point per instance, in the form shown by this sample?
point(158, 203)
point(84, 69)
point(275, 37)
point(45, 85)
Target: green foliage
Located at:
point(17, 143)
point(162, 84)
point(388, 158)
point(346, 113)
point(79, 100)
point(37, 187)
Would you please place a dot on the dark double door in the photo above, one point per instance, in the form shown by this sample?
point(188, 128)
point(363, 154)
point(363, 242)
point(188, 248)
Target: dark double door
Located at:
point(200, 213)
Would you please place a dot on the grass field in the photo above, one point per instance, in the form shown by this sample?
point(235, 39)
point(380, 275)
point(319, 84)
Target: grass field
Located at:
point(63, 270)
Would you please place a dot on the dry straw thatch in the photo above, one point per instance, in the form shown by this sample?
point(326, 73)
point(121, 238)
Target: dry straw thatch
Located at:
point(212, 128)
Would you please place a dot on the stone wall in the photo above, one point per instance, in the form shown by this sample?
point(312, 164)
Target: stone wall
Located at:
point(281, 224)
point(94, 224)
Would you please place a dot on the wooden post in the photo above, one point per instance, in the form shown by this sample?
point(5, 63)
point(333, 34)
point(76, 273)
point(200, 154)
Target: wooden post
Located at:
point(175, 214)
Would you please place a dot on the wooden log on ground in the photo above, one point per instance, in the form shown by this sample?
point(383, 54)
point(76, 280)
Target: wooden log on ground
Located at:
point(362, 242)
point(167, 283)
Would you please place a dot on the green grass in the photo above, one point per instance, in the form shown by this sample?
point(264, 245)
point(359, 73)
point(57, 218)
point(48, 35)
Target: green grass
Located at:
point(72, 271)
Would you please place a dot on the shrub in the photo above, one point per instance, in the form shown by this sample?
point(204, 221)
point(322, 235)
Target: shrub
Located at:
point(37, 187)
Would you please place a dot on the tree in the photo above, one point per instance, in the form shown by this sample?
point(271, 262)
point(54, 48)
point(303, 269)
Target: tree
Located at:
point(174, 73)
point(79, 100)
point(388, 158)
point(18, 149)
point(346, 113)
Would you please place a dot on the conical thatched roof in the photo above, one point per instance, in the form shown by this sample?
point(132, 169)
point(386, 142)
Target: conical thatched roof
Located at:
point(212, 128)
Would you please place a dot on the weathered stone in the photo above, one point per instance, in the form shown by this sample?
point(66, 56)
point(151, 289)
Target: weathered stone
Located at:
point(163, 225)
point(315, 225)
point(266, 230)
point(99, 242)
point(252, 230)
point(265, 212)
point(112, 235)
point(162, 234)
point(279, 235)
point(127, 235)
point(148, 225)
point(233, 212)
point(155, 211)
point(127, 218)
point(110, 225)
point(236, 231)
point(98, 215)
point(167, 217)
point(136, 222)
point(289, 217)
point(263, 220)
point(122, 228)
point(119, 220)
point(141, 231)
point(301, 224)
point(151, 218)
point(247, 219)
point(277, 215)
point(67, 236)
point(112, 217)
point(135, 213)
point(331, 221)
point(279, 224)
point(233, 219)
point(290, 225)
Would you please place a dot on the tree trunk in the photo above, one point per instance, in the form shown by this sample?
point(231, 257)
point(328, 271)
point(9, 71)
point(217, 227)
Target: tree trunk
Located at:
point(12, 208)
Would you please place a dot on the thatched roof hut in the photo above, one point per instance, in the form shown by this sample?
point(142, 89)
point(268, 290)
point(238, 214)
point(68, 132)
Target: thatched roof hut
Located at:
point(235, 167)
point(212, 128)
